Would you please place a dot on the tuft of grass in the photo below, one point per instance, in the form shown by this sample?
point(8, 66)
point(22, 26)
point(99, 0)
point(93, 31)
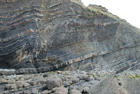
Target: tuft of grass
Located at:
point(103, 76)
point(99, 75)
point(117, 76)
point(101, 12)
point(51, 72)
point(94, 75)
point(96, 11)
point(78, 2)
point(134, 77)
point(25, 6)
point(91, 82)
point(137, 76)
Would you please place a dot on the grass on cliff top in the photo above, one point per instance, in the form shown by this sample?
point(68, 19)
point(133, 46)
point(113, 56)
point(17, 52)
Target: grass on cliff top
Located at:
point(99, 11)
point(78, 2)
point(96, 10)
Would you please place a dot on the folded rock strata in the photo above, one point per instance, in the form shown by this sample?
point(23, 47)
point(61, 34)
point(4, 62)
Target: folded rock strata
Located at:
point(54, 34)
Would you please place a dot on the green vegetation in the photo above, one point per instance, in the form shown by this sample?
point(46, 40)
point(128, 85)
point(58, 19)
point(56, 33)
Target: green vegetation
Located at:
point(78, 2)
point(66, 73)
point(137, 76)
point(51, 72)
point(134, 76)
point(94, 75)
point(99, 11)
point(25, 6)
point(91, 83)
point(117, 76)
point(95, 11)
point(99, 75)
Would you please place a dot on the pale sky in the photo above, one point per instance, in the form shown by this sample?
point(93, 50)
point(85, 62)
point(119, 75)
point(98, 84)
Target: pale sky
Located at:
point(125, 9)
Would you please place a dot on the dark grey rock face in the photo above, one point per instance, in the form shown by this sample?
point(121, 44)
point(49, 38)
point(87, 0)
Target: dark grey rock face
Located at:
point(45, 35)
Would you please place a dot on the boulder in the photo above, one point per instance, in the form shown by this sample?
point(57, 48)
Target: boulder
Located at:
point(59, 72)
point(75, 79)
point(33, 83)
point(22, 84)
point(46, 75)
point(86, 78)
point(46, 92)
point(66, 83)
point(11, 81)
point(41, 81)
point(55, 82)
point(60, 90)
point(74, 91)
point(3, 81)
point(97, 78)
point(25, 85)
point(85, 90)
point(10, 86)
point(34, 91)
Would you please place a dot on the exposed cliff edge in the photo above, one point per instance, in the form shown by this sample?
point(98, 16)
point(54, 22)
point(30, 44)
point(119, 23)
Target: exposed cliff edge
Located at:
point(53, 34)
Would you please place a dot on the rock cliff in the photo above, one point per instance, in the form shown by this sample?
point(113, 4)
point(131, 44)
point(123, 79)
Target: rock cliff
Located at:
point(64, 34)
point(94, 50)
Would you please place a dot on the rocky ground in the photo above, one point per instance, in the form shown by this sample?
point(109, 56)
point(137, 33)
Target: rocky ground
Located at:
point(72, 82)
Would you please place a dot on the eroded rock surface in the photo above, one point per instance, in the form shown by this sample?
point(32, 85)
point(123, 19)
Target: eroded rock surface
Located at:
point(44, 35)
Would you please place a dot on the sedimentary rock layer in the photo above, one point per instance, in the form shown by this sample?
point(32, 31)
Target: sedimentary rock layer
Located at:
point(54, 34)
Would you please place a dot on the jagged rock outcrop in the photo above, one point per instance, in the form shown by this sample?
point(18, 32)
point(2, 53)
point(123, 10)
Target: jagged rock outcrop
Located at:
point(54, 34)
